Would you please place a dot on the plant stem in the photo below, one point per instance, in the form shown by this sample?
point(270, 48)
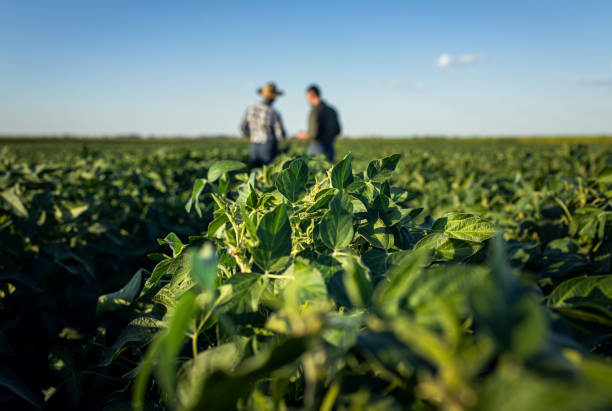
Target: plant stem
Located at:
point(310, 377)
point(278, 276)
point(194, 345)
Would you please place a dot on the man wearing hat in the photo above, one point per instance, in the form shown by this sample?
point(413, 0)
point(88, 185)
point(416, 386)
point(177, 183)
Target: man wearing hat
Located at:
point(263, 125)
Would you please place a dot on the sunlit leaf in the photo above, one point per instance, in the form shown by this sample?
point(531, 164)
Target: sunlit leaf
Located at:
point(13, 200)
point(121, 298)
point(291, 182)
point(342, 173)
point(222, 167)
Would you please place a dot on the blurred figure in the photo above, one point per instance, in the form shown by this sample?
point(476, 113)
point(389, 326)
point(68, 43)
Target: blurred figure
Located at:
point(323, 125)
point(263, 125)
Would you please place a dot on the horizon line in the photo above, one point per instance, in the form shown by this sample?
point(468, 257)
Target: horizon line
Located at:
point(78, 136)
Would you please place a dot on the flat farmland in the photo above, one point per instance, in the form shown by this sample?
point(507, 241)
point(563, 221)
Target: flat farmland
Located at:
point(410, 274)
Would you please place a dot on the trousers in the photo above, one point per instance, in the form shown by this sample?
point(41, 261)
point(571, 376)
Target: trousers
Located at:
point(262, 153)
point(315, 148)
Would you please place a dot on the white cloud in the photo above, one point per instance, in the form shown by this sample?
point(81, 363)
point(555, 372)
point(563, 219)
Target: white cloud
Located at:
point(445, 60)
point(610, 63)
point(401, 85)
point(594, 81)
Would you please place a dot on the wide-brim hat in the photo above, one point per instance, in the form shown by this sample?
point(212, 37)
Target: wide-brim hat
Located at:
point(270, 91)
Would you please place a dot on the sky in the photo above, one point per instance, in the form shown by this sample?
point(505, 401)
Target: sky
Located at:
point(391, 68)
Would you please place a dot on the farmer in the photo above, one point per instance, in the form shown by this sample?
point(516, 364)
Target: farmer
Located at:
point(323, 125)
point(263, 125)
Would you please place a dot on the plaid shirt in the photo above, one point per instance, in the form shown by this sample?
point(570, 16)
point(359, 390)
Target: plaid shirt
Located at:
point(262, 124)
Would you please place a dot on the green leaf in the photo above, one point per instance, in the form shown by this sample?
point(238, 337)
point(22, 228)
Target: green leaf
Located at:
point(359, 207)
point(342, 173)
point(363, 190)
point(375, 260)
point(252, 199)
point(223, 167)
point(246, 292)
point(171, 344)
point(194, 373)
point(198, 186)
point(221, 390)
point(511, 388)
point(378, 235)
point(448, 249)
point(223, 184)
point(180, 282)
point(380, 170)
point(336, 227)
point(144, 371)
point(157, 256)
point(163, 267)
point(204, 268)
point(580, 287)
point(605, 177)
point(506, 311)
point(226, 294)
point(174, 242)
point(307, 284)
point(450, 283)
point(585, 299)
point(10, 380)
point(466, 227)
point(357, 282)
point(291, 182)
point(562, 256)
point(75, 210)
point(321, 200)
point(138, 332)
point(121, 298)
point(274, 234)
point(248, 222)
point(216, 224)
point(11, 197)
point(393, 289)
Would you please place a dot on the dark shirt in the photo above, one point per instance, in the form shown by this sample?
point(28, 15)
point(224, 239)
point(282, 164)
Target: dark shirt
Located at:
point(323, 124)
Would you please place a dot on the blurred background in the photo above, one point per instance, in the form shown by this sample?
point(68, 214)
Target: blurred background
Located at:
point(391, 68)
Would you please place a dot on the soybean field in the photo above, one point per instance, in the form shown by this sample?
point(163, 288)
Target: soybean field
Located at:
point(410, 274)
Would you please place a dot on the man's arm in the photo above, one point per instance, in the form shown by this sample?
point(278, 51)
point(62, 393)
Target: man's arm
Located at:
point(313, 124)
point(338, 125)
point(244, 126)
point(277, 125)
point(313, 127)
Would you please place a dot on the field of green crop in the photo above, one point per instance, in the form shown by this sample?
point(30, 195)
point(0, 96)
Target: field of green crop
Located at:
point(424, 274)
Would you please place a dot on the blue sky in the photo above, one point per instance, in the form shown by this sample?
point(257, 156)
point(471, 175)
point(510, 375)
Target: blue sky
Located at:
point(390, 68)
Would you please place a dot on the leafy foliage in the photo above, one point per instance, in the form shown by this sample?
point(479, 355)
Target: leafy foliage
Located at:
point(274, 240)
point(319, 296)
point(305, 285)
